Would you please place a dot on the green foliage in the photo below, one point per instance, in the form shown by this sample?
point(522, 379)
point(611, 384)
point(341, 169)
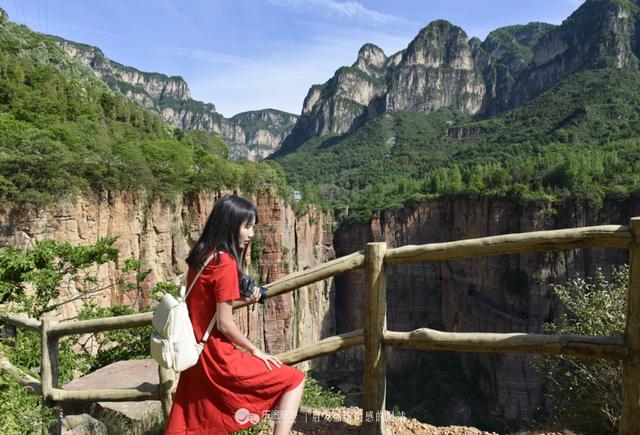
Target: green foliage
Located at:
point(24, 352)
point(578, 140)
point(210, 142)
point(517, 42)
point(63, 131)
point(256, 250)
point(256, 429)
point(585, 395)
point(317, 396)
point(45, 268)
point(21, 412)
point(119, 344)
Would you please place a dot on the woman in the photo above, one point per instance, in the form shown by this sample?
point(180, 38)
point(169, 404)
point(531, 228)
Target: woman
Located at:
point(229, 390)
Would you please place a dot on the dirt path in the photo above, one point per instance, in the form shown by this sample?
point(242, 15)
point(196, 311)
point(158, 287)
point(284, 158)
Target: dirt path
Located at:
point(346, 421)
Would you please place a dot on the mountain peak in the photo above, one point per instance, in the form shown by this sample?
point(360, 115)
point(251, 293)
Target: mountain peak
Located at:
point(371, 60)
point(439, 27)
point(439, 44)
point(372, 55)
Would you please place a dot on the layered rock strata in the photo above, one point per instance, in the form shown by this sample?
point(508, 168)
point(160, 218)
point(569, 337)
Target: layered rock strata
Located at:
point(442, 67)
point(250, 135)
point(508, 293)
point(159, 233)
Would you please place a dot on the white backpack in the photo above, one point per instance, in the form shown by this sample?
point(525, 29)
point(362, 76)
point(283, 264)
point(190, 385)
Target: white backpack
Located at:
point(173, 342)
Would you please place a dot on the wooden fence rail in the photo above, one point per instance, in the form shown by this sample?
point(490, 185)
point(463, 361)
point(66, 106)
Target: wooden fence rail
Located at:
point(375, 337)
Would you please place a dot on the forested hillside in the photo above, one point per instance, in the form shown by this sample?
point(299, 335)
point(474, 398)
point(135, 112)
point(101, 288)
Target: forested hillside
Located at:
point(579, 139)
point(62, 131)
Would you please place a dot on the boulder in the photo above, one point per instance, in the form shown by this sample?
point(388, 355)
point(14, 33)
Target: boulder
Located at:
point(82, 424)
point(140, 374)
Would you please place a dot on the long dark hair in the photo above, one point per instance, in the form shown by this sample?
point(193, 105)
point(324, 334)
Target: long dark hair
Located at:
point(221, 231)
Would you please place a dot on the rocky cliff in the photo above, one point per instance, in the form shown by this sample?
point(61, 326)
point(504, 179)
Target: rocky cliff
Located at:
point(493, 294)
point(252, 135)
point(146, 89)
point(599, 34)
point(159, 233)
point(264, 132)
point(442, 67)
point(340, 104)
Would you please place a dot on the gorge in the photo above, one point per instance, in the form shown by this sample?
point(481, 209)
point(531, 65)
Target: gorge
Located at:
point(446, 101)
point(493, 294)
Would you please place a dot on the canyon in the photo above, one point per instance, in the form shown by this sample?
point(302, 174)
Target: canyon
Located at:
point(508, 293)
point(492, 294)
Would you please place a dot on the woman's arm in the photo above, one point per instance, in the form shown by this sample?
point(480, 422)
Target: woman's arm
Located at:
point(228, 327)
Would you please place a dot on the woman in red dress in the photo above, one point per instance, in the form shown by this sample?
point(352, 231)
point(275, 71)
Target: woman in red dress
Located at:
point(229, 390)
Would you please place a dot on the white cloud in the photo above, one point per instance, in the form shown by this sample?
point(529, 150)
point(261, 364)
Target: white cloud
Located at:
point(281, 79)
point(350, 10)
point(206, 55)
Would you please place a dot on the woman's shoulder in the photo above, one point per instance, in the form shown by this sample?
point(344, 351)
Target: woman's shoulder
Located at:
point(223, 258)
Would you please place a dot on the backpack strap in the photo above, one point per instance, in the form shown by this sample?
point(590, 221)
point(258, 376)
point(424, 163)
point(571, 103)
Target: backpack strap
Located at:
point(205, 337)
point(195, 279)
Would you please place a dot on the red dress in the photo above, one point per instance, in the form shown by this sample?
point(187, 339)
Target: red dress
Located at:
point(227, 390)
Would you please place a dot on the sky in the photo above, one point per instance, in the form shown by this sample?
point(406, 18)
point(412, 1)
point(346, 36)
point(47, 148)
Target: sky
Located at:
point(245, 55)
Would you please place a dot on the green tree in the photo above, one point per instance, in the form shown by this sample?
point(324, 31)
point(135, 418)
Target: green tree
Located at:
point(585, 395)
point(45, 268)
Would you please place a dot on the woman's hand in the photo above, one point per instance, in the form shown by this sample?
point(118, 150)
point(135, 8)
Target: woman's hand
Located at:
point(266, 358)
point(255, 296)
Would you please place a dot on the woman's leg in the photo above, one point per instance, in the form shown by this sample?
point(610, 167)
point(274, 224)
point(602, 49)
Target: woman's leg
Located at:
point(287, 410)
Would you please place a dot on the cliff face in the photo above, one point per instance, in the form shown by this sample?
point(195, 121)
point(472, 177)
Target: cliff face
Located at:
point(159, 234)
point(491, 294)
point(599, 34)
point(146, 89)
point(441, 67)
point(250, 135)
point(264, 131)
point(341, 103)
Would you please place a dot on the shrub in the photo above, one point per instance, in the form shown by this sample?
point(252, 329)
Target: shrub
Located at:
point(21, 412)
point(585, 395)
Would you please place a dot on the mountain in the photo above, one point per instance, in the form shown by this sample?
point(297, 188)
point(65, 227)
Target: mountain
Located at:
point(565, 143)
point(252, 136)
point(264, 130)
point(336, 106)
point(442, 67)
point(64, 132)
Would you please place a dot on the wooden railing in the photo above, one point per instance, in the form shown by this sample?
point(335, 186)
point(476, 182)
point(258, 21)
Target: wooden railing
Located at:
point(375, 336)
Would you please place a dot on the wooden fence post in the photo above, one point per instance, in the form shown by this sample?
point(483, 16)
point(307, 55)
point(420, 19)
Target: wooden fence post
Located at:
point(375, 325)
point(49, 373)
point(168, 380)
point(630, 421)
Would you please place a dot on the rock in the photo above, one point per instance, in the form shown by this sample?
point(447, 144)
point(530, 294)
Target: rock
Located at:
point(471, 295)
point(442, 67)
point(459, 413)
point(251, 135)
point(82, 424)
point(140, 374)
point(159, 233)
